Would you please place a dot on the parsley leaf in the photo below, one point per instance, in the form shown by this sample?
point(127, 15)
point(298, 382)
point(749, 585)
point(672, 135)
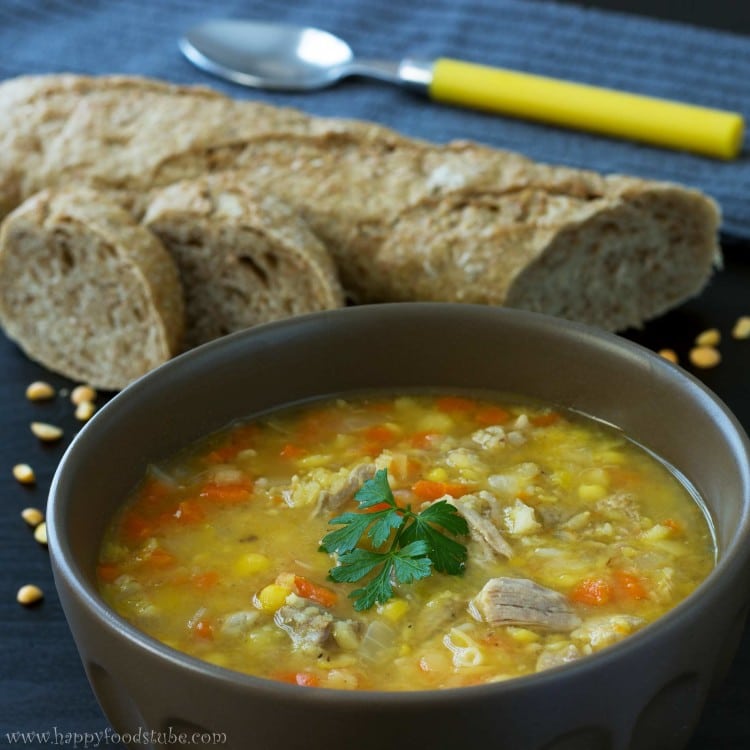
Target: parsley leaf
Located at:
point(417, 543)
point(447, 555)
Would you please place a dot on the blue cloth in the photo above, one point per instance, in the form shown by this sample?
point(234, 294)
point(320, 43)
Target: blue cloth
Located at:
point(676, 61)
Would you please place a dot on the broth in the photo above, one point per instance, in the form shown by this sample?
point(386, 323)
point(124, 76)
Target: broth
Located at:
point(576, 537)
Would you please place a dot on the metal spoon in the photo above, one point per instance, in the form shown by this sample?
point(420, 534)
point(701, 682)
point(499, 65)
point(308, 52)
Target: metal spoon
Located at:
point(294, 58)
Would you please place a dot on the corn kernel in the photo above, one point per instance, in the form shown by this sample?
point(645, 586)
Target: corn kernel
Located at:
point(522, 635)
point(272, 597)
point(394, 609)
point(438, 474)
point(250, 563)
point(591, 492)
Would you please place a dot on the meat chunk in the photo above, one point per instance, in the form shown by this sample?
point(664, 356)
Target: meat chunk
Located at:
point(520, 601)
point(344, 488)
point(556, 655)
point(598, 632)
point(312, 627)
point(308, 625)
point(481, 526)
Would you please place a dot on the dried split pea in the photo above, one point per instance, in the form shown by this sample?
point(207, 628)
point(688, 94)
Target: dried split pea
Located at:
point(705, 356)
point(81, 394)
point(32, 516)
point(46, 432)
point(39, 391)
point(709, 337)
point(24, 474)
point(85, 410)
point(40, 533)
point(669, 354)
point(741, 328)
point(29, 594)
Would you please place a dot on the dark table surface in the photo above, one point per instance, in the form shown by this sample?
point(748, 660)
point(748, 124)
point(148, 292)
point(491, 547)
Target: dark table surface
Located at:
point(43, 686)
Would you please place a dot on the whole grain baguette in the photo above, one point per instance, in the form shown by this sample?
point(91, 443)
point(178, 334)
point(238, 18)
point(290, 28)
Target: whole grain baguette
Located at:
point(86, 290)
point(243, 258)
point(402, 218)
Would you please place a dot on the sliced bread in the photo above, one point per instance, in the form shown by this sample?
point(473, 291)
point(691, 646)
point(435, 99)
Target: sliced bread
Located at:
point(244, 258)
point(87, 291)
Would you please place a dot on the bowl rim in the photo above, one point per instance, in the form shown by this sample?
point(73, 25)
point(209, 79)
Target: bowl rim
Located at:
point(729, 564)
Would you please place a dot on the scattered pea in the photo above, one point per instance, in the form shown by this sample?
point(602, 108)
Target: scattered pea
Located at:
point(29, 594)
point(705, 356)
point(741, 328)
point(40, 533)
point(46, 432)
point(85, 410)
point(39, 391)
point(32, 516)
point(669, 354)
point(24, 474)
point(709, 337)
point(81, 394)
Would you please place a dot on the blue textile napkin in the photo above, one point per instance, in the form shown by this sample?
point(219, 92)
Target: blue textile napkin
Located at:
point(621, 51)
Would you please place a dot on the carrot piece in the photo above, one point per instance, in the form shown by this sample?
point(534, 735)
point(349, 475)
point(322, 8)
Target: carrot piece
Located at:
point(108, 572)
point(307, 679)
point(237, 492)
point(159, 558)
point(454, 404)
point(674, 525)
point(489, 415)
point(592, 591)
point(135, 526)
point(205, 580)
point(377, 507)
point(292, 451)
point(304, 679)
point(629, 585)
point(204, 629)
point(309, 590)
point(153, 489)
point(545, 419)
point(189, 511)
point(423, 439)
point(426, 489)
point(380, 434)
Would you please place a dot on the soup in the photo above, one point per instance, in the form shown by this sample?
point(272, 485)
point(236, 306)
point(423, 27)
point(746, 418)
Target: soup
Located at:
point(405, 543)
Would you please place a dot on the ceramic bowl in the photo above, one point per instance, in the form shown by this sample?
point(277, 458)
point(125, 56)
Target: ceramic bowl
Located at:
point(645, 692)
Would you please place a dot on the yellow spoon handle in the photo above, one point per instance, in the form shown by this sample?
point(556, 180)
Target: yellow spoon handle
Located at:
point(711, 132)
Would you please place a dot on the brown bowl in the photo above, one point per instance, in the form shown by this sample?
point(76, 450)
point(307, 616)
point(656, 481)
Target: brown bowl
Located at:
point(645, 692)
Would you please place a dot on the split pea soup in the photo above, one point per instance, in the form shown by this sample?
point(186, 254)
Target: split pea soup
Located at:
point(405, 542)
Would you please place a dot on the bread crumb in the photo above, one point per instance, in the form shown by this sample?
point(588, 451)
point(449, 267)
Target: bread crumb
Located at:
point(705, 356)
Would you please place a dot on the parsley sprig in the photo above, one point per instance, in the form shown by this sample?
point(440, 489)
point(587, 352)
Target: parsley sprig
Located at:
point(403, 546)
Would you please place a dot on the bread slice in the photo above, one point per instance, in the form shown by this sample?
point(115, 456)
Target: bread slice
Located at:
point(244, 258)
point(87, 291)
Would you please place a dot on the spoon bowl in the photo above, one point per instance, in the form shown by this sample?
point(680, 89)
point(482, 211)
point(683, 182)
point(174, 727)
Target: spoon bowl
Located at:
point(268, 55)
